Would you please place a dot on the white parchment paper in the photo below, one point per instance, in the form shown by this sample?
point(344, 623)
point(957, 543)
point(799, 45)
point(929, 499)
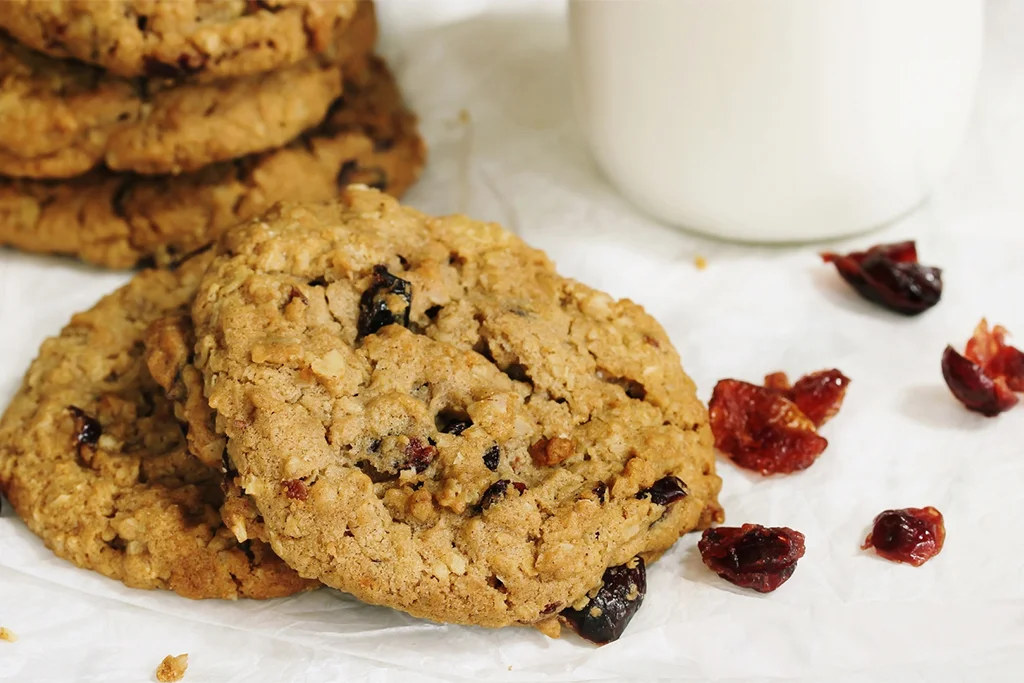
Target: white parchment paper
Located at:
point(901, 440)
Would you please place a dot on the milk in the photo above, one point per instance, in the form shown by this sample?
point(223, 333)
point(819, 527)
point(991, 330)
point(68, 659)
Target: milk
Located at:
point(775, 120)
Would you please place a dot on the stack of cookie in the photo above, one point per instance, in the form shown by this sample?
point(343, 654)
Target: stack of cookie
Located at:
point(134, 131)
point(417, 411)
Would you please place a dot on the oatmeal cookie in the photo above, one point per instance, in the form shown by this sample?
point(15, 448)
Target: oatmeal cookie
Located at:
point(169, 348)
point(118, 220)
point(199, 38)
point(94, 462)
point(429, 417)
point(59, 119)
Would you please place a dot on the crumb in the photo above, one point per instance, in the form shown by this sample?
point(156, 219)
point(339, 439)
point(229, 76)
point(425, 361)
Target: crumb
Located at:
point(464, 116)
point(509, 667)
point(700, 262)
point(7, 634)
point(172, 668)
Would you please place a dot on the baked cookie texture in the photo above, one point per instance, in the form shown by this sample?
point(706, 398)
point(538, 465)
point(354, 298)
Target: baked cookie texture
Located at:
point(60, 118)
point(429, 417)
point(119, 220)
point(198, 38)
point(94, 462)
point(169, 355)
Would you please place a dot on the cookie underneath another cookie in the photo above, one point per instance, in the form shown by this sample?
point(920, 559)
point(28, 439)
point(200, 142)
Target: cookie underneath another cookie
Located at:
point(119, 220)
point(94, 461)
point(169, 348)
point(427, 416)
point(59, 118)
point(200, 38)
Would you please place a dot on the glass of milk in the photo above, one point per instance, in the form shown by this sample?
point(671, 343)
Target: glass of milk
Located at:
point(775, 120)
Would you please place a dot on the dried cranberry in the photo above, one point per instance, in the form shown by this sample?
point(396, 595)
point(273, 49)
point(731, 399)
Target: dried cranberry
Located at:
point(296, 489)
point(665, 491)
point(387, 301)
point(609, 611)
point(890, 275)
point(761, 430)
point(913, 535)
point(752, 556)
point(419, 455)
point(497, 491)
point(457, 427)
point(492, 456)
point(819, 395)
point(778, 381)
point(988, 348)
point(87, 428)
point(972, 387)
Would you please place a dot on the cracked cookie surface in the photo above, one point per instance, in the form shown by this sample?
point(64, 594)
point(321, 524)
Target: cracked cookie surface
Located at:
point(94, 461)
point(59, 118)
point(199, 38)
point(429, 417)
point(118, 220)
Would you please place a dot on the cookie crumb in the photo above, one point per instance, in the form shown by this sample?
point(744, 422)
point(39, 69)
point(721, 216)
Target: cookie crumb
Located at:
point(464, 116)
point(7, 634)
point(172, 668)
point(700, 262)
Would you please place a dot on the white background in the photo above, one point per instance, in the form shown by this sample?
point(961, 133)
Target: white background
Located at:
point(901, 440)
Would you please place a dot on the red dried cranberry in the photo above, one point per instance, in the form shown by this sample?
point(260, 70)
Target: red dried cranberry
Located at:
point(387, 301)
point(419, 455)
point(492, 456)
point(87, 428)
point(972, 387)
point(890, 275)
point(752, 556)
point(988, 348)
point(761, 430)
point(296, 489)
point(497, 490)
point(913, 535)
point(665, 491)
point(819, 395)
point(604, 618)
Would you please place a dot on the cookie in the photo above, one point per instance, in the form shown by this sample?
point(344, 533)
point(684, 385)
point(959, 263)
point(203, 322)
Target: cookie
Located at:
point(429, 417)
point(119, 220)
point(168, 351)
point(60, 119)
point(199, 38)
point(94, 462)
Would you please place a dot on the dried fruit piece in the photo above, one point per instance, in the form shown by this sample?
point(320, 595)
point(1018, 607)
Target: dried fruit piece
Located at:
point(87, 428)
point(296, 489)
point(387, 301)
point(761, 430)
point(890, 275)
point(972, 387)
point(665, 491)
point(457, 427)
point(418, 454)
point(492, 456)
point(988, 348)
point(913, 535)
point(752, 556)
point(605, 616)
point(818, 395)
point(497, 490)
